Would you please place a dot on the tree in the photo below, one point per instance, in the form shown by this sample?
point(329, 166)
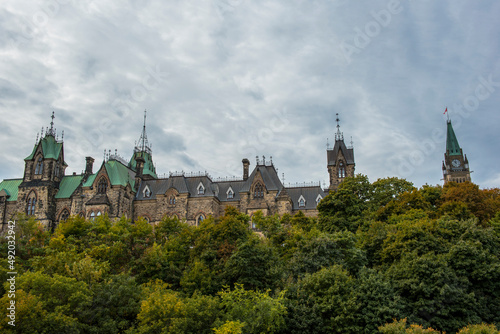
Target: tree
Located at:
point(258, 311)
point(346, 208)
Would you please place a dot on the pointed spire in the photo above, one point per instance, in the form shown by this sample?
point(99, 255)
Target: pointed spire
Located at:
point(452, 146)
point(339, 135)
point(143, 143)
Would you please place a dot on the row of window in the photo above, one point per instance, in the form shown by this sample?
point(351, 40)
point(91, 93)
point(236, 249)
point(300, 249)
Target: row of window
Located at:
point(39, 168)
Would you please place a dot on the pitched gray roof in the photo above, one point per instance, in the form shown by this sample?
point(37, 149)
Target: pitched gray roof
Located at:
point(340, 147)
point(269, 175)
point(224, 186)
point(310, 195)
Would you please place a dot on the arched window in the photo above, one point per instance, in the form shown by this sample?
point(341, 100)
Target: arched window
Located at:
point(341, 169)
point(92, 215)
point(98, 213)
point(64, 215)
point(258, 191)
point(31, 203)
point(171, 200)
point(200, 219)
point(102, 186)
point(39, 166)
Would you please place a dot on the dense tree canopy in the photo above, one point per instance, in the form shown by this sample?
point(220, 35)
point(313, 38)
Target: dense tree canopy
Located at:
point(381, 257)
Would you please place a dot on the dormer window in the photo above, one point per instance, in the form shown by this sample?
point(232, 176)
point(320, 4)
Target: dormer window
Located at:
point(230, 193)
point(258, 191)
point(39, 166)
point(318, 199)
point(102, 186)
point(302, 202)
point(341, 169)
point(146, 192)
point(201, 189)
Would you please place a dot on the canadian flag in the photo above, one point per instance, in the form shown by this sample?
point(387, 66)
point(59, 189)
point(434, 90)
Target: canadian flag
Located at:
point(445, 111)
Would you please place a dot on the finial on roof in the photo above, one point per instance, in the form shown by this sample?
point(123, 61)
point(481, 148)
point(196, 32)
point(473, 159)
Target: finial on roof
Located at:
point(256, 160)
point(271, 157)
point(143, 140)
point(263, 160)
point(339, 135)
point(104, 156)
point(62, 135)
point(36, 141)
point(42, 133)
point(51, 131)
point(283, 178)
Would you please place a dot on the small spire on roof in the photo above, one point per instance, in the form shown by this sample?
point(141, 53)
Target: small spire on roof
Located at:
point(36, 141)
point(62, 135)
point(42, 133)
point(339, 135)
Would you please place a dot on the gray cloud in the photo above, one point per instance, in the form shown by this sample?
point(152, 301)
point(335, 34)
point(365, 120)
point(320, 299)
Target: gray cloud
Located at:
point(223, 80)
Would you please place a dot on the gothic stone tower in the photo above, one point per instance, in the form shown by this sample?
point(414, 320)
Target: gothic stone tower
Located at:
point(43, 171)
point(340, 160)
point(455, 164)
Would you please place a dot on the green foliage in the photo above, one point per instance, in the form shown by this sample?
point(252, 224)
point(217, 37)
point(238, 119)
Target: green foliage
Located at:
point(400, 327)
point(376, 252)
point(479, 329)
point(345, 208)
point(258, 311)
point(230, 327)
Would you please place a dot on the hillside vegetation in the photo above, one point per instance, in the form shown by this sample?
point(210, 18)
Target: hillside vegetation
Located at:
point(381, 257)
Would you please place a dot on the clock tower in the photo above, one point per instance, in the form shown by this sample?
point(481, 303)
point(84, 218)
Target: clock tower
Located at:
point(455, 164)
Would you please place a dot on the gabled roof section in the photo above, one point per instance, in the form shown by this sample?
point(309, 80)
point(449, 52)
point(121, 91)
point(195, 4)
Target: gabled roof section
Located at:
point(340, 147)
point(119, 174)
point(224, 188)
point(193, 183)
point(149, 168)
point(452, 146)
point(51, 148)
point(310, 195)
point(269, 176)
point(68, 186)
point(160, 186)
point(11, 188)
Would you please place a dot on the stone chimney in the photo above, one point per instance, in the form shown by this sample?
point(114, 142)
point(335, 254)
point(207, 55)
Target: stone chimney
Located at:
point(89, 165)
point(246, 165)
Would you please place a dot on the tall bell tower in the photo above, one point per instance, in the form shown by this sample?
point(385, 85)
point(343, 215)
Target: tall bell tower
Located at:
point(455, 164)
point(340, 159)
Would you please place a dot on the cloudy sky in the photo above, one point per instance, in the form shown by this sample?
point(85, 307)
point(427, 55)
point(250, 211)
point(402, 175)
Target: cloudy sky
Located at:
point(224, 80)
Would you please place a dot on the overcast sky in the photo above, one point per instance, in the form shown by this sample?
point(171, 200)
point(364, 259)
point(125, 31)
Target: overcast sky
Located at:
point(224, 80)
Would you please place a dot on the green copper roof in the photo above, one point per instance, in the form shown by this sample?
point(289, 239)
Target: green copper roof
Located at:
point(50, 148)
point(452, 146)
point(149, 167)
point(118, 174)
point(68, 186)
point(11, 187)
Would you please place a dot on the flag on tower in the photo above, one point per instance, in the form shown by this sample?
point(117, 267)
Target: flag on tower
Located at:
point(445, 111)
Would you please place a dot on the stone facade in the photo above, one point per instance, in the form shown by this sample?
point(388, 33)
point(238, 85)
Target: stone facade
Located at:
point(132, 189)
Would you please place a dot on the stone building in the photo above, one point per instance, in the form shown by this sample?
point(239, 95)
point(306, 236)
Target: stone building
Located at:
point(455, 164)
point(133, 189)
